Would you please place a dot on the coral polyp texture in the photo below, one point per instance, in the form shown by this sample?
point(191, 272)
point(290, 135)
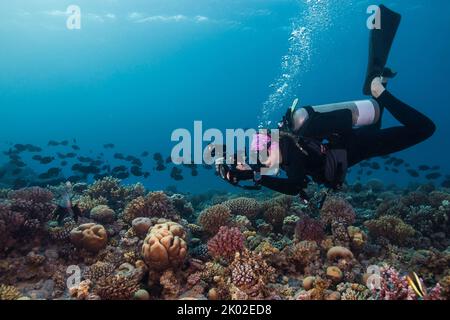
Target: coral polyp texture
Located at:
point(366, 242)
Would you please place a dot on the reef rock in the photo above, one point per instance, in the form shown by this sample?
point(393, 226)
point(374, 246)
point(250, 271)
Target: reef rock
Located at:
point(90, 236)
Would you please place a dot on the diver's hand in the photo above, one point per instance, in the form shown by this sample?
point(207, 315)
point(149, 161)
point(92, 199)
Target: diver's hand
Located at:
point(377, 88)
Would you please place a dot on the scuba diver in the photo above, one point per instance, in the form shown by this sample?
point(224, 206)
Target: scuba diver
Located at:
point(322, 142)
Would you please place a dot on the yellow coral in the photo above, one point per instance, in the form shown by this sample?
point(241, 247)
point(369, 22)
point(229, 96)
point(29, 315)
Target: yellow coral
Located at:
point(9, 293)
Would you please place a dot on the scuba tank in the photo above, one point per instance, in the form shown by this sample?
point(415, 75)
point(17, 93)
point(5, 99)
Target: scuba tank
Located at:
point(364, 112)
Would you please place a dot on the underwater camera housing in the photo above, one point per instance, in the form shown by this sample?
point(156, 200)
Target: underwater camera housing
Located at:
point(236, 166)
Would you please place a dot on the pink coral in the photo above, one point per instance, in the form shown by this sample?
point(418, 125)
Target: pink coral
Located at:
point(393, 286)
point(226, 243)
point(309, 229)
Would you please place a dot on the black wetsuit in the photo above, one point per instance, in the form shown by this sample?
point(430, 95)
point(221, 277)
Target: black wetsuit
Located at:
point(361, 143)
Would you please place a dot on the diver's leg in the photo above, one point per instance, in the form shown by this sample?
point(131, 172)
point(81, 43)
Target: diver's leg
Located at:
point(368, 143)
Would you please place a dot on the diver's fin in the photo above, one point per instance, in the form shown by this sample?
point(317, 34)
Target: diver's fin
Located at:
point(380, 44)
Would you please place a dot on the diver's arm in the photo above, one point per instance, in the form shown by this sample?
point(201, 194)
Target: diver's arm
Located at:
point(326, 124)
point(282, 185)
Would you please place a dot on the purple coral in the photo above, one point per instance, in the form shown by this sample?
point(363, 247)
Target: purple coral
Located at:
point(309, 229)
point(226, 243)
point(393, 286)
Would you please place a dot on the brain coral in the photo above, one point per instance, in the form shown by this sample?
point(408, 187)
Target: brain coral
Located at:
point(212, 218)
point(155, 204)
point(391, 228)
point(243, 206)
point(226, 243)
point(89, 236)
point(165, 246)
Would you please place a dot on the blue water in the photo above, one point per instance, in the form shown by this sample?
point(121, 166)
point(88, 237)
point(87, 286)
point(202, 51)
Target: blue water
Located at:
point(137, 70)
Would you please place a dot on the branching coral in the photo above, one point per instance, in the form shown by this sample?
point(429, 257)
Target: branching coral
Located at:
point(170, 284)
point(303, 254)
point(309, 229)
point(250, 274)
point(243, 206)
point(353, 291)
point(212, 218)
point(391, 228)
point(98, 271)
point(117, 196)
point(155, 204)
point(226, 243)
point(9, 293)
point(33, 203)
point(165, 246)
point(117, 287)
point(275, 215)
point(392, 286)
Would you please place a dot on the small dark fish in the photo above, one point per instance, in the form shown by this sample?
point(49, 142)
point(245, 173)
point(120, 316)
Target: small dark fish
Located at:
point(19, 164)
point(106, 167)
point(75, 147)
point(44, 176)
point(413, 173)
point(176, 174)
point(20, 147)
point(146, 175)
point(53, 172)
point(122, 175)
point(64, 143)
point(398, 162)
point(424, 167)
point(136, 171)
point(137, 162)
point(119, 156)
point(46, 160)
point(16, 171)
point(71, 155)
point(144, 154)
point(207, 166)
point(194, 173)
point(395, 170)
point(407, 165)
point(446, 184)
point(160, 167)
point(97, 163)
point(119, 169)
point(32, 148)
point(434, 168)
point(84, 159)
point(15, 157)
point(108, 146)
point(169, 160)
point(158, 157)
point(53, 143)
point(433, 176)
point(100, 176)
point(61, 155)
point(63, 163)
point(37, 157)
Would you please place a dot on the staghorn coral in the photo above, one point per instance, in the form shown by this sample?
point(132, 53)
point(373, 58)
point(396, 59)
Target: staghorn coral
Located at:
point(243, 206)
point(212, 218)
point(155, 204)
point(249, 275)
point(226, 243)
point(390, 228)
point(103, 214)
point(9, 293)
point(89, 236)
point(165, 246)
point(309, 229)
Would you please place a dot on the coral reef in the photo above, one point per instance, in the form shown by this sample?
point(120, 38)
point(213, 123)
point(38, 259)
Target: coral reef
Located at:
point(133, 244)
